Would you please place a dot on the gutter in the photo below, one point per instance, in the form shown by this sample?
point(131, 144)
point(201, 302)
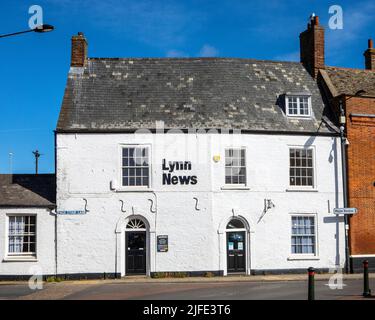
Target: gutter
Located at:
point(12, 206)
point(194, 131)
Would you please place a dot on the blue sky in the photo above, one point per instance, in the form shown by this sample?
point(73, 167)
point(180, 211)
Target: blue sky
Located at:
point(34, 66)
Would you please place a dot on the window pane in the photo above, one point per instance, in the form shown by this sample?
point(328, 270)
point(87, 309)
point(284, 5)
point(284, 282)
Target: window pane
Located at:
point(303, 235)
point(301, 167)
point(298, 105)
point(135, 166)
point(22, 234)
point(235, 224)
point(131, 162)
point(242, 180)
point(235, 166)
point(125, 162)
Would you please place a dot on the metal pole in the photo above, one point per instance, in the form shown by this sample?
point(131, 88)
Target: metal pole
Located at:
point(15, 33)
point(344, 183)
point(366, 285)
point(311, 284)
point(37, 155)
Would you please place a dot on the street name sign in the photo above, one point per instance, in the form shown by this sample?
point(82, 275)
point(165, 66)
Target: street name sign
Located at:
point(71, 212)
point(345, 210)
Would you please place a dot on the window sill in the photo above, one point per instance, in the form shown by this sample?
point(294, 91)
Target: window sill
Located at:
point(235, 188)
point(302, 257)
point(20, 259)
point(299, 117)
point(133, 190)
point(301, 190)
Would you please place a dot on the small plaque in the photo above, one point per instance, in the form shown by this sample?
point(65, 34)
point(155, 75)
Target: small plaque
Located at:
point(162, 243)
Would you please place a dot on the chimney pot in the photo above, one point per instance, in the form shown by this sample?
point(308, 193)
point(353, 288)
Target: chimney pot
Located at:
point(316, 20)
point(370, 44)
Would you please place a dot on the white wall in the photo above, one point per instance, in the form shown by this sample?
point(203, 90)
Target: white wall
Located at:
point(94, 242)
point(45, 249)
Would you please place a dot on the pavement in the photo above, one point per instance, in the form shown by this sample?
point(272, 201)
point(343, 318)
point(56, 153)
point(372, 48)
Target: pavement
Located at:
point(270, 287)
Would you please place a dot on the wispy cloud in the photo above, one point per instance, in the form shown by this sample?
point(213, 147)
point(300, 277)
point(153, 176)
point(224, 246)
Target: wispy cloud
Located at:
point(176, 54)
point(291, 56)
point(160, 23)
point(208, 51)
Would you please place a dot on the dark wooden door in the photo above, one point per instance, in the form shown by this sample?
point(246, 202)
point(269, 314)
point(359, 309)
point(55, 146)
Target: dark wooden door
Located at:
point(236, 252)
point(135, 252)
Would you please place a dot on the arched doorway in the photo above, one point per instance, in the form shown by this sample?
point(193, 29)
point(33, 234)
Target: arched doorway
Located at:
point(135, 246)
point(236, 246)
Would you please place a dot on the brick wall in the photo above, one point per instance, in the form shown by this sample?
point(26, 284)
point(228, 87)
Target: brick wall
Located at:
point(361, 173)
point(79, 50)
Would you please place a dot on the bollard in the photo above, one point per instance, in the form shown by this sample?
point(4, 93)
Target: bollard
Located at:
point(366, 285)
point(311, 285)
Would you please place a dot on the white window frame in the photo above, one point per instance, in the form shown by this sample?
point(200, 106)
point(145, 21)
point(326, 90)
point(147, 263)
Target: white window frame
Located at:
point(303, 188)
point(122, 187)
point(304, 256)
point(298, 97)
point(236, 185)
point(20, 255)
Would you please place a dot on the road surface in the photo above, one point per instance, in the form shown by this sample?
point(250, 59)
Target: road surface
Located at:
point(143, 290)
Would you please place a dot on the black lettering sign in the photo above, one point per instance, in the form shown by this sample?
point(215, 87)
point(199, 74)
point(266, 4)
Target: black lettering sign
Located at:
point(172, 166)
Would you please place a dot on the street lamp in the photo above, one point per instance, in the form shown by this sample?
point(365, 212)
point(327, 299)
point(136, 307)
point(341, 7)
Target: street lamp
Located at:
point(344, 144)
point(39, 29)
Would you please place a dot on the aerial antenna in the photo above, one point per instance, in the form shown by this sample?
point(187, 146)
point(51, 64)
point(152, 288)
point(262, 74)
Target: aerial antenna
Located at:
point(37, 156)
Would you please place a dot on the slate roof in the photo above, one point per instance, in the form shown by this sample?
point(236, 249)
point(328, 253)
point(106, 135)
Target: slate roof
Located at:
point(27, 190)
point(350, 81)
point(116, 94)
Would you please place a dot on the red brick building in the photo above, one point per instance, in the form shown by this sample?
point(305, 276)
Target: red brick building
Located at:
point(355, 90)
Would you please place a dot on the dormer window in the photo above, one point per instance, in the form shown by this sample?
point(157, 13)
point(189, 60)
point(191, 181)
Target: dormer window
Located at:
point(298, 105)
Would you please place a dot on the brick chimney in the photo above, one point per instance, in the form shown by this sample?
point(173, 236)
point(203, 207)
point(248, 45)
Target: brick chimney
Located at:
point(79, 50)
point(370, 56)
point(312, 47)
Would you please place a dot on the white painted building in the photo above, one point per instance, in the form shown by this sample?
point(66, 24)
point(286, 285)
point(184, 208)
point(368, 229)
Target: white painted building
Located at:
point(27, 225)
point(253, 191)
point(195, 217)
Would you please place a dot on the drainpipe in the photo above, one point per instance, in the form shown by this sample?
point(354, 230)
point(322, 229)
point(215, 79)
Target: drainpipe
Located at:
point(55, 142)
point(156, 238)
point(344, 183)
